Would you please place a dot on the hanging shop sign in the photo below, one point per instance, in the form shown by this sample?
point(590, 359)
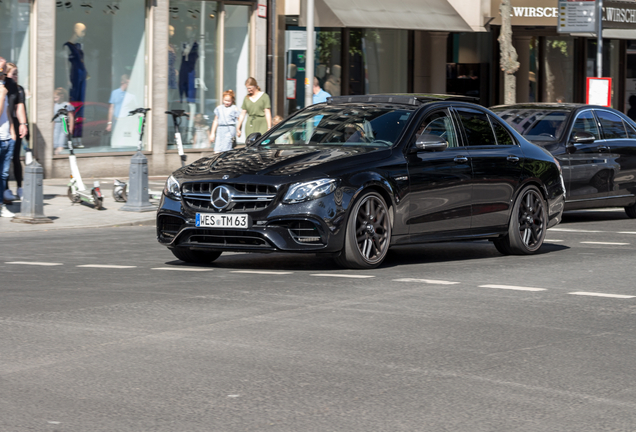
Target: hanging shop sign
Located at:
point(528, 12)
point(577, 16)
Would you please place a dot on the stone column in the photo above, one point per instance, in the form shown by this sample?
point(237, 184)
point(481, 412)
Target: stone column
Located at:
point(437, 60)
point(522, 45)
point(159, 163)
point(43, 80)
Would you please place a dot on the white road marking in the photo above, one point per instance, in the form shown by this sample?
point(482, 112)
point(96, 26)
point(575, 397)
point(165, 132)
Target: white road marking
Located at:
point(342, 275)
point(605, 243)
point(261, 272)
point(593, 294)
point(553, 241)
point(426, 281)
point(191, 269)
point(35, 263)
point(574, 230)
point(511, 287)
point(106, 266)
point(626, 232)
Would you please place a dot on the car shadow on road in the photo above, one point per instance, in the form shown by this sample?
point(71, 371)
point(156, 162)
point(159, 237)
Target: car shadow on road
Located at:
point(398, 256)
point(575, 216)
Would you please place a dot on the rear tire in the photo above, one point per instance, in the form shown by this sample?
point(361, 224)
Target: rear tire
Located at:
point(631, 211)
point(368, 233)
point(99, 201)
point(195, 256)
point(528, 224)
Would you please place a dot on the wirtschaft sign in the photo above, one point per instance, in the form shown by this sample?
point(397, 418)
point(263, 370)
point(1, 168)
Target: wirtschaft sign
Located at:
point(617, 14)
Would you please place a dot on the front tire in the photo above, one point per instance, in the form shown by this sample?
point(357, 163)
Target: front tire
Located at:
point(368, 233)
point(528, 224)
point(631, 211)
point(195, 256)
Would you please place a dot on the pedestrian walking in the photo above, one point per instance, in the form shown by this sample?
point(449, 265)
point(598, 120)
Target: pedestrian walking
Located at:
point(223, 132)
point(20, 122)
point(319, 95)
point(257, 107)
point(8, 90)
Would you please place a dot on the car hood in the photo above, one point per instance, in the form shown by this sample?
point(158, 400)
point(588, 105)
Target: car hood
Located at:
point(275, 162)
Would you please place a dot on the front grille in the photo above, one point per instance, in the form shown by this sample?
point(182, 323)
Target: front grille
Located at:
point(169, 226)
point(245, 197)
point(227, 239)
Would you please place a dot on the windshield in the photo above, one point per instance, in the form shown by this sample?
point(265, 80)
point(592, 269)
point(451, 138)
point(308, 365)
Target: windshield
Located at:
point(536, 123)
point(342, 125)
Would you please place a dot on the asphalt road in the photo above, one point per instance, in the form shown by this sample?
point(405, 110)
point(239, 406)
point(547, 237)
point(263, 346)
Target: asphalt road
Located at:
point(103, 330)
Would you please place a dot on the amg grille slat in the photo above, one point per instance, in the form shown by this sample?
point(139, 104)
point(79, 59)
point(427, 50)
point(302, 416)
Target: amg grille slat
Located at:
point(249, 197)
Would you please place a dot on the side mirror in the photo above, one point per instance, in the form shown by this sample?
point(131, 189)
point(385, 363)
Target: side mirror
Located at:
point(251, 140)
point(582, 138)
point(430, 142)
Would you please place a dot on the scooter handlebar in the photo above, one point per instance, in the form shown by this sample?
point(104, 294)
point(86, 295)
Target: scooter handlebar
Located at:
point(178, 113)
point(139, 111)
point(61, 111)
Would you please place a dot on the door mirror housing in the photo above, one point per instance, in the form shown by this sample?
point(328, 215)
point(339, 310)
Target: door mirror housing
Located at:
point(251, 140)
point(582, 138)
point(430, 142)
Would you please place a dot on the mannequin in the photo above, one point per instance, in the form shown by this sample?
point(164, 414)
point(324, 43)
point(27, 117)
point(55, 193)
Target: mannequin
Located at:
point(187, 75)
point(77, 76)
point(332, 86)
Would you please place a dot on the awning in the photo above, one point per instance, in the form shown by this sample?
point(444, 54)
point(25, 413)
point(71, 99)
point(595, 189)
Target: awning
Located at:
point(430, 15)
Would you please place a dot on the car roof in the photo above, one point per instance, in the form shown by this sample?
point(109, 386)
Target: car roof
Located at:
point(413, 99)
point(546, 106)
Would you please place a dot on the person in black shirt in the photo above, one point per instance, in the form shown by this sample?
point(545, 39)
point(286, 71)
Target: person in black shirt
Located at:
point(20, 123)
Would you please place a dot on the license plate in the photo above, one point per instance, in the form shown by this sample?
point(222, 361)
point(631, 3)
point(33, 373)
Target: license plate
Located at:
point(211, 220)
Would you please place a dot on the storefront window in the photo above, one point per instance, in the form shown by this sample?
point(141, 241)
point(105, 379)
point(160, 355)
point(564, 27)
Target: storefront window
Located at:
point(379, 61)
point(327, 67)
point(14, 38)
point(558, 64)
point(100, 68)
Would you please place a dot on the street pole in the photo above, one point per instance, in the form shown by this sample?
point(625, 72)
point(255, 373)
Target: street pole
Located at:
point(309, 56)
point(599, 38)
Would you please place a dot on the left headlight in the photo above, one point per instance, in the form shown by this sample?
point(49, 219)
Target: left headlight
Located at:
point(172, 189)
point(299, 192)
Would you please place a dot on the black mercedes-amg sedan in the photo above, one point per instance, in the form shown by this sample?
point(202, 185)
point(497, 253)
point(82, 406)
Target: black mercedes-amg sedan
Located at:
point(357, 175)
point(595, 145)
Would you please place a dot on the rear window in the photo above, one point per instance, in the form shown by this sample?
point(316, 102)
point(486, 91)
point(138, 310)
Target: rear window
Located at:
point(536, 123)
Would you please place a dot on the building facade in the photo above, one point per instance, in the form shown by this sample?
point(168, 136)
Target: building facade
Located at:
point(106, 57)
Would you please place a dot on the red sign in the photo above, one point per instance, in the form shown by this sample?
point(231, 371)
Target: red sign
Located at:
point(599, 91)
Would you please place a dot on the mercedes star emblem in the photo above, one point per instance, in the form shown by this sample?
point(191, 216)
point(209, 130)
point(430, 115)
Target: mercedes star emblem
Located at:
point(225, 177)
point(221, 197)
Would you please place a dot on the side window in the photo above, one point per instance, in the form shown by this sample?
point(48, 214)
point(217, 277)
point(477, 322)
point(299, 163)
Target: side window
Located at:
point(439, 123)
point(631, 132)
point(585, 122)
point(501, 133)
point(477, 127)
point(611, 124)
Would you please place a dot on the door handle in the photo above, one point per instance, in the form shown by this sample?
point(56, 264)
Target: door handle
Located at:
point(602, 149)
point(461, 159)
point(513, 158)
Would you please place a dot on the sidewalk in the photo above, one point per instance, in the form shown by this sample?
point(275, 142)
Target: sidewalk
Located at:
point(66, 215)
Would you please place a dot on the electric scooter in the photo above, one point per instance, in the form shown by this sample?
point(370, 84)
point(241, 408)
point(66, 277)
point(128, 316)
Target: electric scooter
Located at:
point(120, 188)
point(176, 121)
point(77, 192)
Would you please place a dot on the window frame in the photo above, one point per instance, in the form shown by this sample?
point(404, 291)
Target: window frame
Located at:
point(460, 124)
point(427, 114)
point(602, 130)
point(578, 114)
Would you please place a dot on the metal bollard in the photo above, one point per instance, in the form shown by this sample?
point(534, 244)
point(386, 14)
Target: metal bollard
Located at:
point(31, 209)
point(138, 185)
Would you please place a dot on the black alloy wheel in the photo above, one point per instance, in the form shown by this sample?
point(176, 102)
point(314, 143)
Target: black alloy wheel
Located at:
point(528, 224)
point(195, 256)
point(368, 234)
point(631, 211)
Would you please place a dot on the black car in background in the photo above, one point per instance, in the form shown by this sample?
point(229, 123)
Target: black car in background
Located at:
point(359, 174)
point(595, 145)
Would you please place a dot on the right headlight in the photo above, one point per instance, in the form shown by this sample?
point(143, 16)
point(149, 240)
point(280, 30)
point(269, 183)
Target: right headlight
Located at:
point(299, 192)
point(172, 189)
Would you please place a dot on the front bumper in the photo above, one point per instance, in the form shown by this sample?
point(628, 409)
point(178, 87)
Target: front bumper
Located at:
point(313, 226)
